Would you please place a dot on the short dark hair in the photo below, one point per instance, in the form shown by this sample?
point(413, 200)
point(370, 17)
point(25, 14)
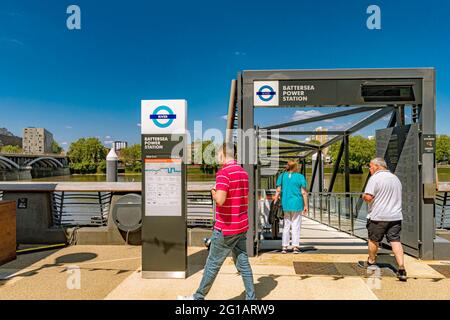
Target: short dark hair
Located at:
point(228, 149)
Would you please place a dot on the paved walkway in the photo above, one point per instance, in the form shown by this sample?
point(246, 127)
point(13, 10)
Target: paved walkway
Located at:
point(325, 270)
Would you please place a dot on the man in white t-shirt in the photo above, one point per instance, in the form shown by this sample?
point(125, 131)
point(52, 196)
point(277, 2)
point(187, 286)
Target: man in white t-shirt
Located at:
point(383, 194)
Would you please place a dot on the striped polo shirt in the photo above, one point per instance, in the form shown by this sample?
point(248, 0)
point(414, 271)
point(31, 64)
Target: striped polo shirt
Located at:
point(232, 216)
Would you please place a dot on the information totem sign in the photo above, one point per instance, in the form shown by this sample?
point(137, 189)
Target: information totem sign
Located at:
point(164, 233)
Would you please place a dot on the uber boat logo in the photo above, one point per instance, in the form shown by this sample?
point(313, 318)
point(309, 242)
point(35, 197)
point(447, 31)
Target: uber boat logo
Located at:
point(167, 116)
point(163, 116)
point(266, 93)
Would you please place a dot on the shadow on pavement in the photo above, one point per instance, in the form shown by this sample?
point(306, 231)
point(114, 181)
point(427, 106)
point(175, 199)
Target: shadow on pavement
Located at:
point(263, 287)
point(196, 262)
point(75, 258)
point(24, 261)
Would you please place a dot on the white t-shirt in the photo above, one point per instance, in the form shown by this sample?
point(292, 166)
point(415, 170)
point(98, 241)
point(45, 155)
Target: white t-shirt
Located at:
point(387, 191)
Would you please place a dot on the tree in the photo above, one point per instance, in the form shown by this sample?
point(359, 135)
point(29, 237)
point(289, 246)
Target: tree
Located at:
point(361, 151)
point(442, 148)
point(131, 158)
point(86, 155)
point(56, 148)
point(209, 162)
point(101, 168)
point(11, 149)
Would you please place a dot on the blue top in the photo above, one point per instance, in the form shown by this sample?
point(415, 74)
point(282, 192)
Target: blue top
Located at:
point(291, 191)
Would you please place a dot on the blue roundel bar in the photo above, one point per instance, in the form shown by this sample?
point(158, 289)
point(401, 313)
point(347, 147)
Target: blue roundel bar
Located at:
point(266, 93)
point(169, 115)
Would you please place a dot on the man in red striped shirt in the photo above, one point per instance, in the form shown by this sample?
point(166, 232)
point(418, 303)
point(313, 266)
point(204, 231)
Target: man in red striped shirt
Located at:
point(229, 235)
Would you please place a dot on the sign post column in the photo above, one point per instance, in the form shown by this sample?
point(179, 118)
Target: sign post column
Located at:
point(164, 233)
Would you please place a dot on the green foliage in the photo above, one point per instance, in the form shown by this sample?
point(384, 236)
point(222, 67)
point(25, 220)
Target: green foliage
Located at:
point(86, 155)
point(361, 151)
point(101, 168)
point(11, 149)
point(209, 163)
point(56, 148)
point(442, 148)
point(131, 158)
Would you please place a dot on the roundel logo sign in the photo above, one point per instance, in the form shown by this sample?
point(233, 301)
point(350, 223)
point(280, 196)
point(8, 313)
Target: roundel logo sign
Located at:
point(163, 116)
point(265, 93)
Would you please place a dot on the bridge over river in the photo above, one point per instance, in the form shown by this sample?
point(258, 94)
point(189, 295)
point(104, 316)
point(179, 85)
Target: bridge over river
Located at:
point(28, 166)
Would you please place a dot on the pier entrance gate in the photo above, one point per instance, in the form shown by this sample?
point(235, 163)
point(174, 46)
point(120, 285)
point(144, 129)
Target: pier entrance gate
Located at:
point(403, 98)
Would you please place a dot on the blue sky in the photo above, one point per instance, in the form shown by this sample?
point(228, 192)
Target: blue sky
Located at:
point(89, 82)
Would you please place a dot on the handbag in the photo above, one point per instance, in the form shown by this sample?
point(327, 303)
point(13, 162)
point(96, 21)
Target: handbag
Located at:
point(278, 207)
point(276, 212)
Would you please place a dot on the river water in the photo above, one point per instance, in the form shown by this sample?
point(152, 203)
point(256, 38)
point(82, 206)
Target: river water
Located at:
point(356, 180)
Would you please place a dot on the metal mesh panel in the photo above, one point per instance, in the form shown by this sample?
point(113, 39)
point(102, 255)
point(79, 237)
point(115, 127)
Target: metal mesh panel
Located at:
point(200, 209)
point(442, 269)
point(408, 173)
point(80, 209)
point(442, 210)
point(338, 269)
point(400, 147)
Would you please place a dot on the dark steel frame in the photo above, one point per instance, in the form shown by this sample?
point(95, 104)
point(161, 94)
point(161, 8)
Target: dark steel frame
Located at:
point(426, 119)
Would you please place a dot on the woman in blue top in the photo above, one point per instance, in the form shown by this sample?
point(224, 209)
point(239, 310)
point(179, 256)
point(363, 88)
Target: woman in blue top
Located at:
point(294, 201)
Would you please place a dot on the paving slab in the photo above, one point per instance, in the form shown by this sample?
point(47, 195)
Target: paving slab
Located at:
point(100, 270)
point(113, 272)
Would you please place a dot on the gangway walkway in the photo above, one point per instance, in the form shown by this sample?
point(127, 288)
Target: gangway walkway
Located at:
point(319, 238)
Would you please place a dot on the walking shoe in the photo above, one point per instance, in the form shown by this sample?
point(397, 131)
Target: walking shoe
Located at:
point(367, 265)
point(401, 275)
point(296, 250)
point(284, 251)
point(191, 297)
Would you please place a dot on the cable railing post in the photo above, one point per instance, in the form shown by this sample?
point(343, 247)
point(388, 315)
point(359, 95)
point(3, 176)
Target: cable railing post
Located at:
point(329, 209)
point(314, 206)
point(339, 213)
point(321, 206)
point(61, 208)
point(352, 222)
point(443, 211)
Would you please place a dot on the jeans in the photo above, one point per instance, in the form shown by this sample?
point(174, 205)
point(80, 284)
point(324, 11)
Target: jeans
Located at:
point(294, 220)
point(221, 246)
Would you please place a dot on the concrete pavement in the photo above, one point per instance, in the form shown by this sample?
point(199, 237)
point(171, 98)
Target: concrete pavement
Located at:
point(325, 270)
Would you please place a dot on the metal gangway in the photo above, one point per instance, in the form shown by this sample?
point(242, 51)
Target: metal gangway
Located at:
point(344, 212)
point(442, 212)
point(405, 98)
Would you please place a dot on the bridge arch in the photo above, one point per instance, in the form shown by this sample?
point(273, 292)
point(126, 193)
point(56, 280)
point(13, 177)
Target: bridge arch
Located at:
point(9, 164)
point(47, 160)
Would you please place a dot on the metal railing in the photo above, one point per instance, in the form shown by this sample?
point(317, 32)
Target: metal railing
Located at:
point(80, 208)
point(200, 209)
point(346, 212)
point(343, 211)
point(442, 212)
point(92, 209)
